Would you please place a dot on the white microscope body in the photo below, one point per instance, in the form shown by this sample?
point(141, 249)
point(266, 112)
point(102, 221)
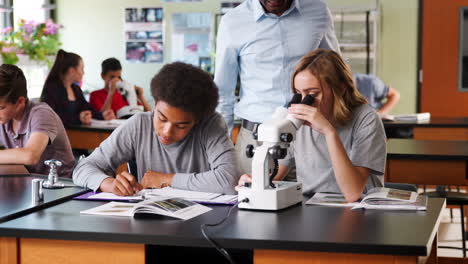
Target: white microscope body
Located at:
point(128, 90)
point(275, 135)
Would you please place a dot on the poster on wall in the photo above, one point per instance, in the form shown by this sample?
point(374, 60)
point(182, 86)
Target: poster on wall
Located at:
point(191, 39)
point(144, 35)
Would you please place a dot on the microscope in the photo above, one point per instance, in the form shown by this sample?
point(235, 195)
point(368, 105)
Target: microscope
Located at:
point(127, 90)
point(275, 136)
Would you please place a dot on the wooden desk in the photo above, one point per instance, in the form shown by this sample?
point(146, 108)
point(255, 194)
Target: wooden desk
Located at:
point(300, 234)
point(87, 137)
point(437, 128)
point(427, 162)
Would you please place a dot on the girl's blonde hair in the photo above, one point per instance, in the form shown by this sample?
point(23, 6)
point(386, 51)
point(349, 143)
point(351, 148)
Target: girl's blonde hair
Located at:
point(334, 74)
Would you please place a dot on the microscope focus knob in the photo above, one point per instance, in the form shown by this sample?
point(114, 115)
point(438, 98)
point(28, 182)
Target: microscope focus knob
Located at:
point(249, 151)
point(286, 137)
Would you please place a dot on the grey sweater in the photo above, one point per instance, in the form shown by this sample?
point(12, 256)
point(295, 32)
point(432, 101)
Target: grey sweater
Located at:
point(204, 160)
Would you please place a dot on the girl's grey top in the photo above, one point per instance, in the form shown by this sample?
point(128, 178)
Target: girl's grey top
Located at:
point(364, 141)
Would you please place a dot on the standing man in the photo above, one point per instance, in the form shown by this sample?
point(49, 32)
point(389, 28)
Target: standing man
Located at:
point(261, 41)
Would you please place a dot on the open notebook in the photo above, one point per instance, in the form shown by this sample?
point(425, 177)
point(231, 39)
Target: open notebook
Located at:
point(376, 198)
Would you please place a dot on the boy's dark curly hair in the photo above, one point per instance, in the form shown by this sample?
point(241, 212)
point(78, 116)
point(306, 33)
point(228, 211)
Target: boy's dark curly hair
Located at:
point(186, 87)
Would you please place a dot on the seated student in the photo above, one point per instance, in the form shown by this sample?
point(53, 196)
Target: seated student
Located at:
point(376, 91)
point(62, 94)
point(31, 132)
point(182, 143)
point(341, 147)
point(109, 97)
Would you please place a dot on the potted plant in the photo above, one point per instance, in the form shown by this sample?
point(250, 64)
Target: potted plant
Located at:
point(36, 40)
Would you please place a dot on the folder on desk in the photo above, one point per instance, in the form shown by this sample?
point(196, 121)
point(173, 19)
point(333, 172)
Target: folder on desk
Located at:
point(199, 197)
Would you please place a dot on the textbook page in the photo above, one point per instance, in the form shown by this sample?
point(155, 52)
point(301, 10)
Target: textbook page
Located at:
point(112, 208)
point(393, 199)
point(173, 207)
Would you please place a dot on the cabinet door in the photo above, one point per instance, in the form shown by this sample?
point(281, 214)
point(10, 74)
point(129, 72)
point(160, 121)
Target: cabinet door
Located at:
point(439, 92)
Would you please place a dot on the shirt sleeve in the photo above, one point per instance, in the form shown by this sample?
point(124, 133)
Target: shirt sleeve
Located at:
point(369, 144)
point(224, 173)
point(226, 72)
point(95, 99)
point(44, 121)
point(117, 149)
point(380, 89)
point(329, 40)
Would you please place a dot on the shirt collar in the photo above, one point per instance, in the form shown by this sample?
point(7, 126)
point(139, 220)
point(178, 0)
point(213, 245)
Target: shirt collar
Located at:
point(259, 12)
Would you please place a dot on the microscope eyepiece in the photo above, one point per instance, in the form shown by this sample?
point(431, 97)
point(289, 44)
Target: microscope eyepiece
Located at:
point(296, 99)
point(308, 99)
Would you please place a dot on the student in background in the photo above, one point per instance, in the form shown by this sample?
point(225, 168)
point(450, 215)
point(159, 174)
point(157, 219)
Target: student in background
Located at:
point(380, 96)
point(183, 143)
point(109, 97)
point(62, 94)
point(31, 132)
point(383, 99)
point(341, 147)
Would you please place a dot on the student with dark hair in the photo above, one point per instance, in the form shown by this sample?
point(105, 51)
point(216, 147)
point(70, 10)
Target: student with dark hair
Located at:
point(182, 143)
point(109, 97)
point(341, 148)
point(31, 132)
point(63, 95)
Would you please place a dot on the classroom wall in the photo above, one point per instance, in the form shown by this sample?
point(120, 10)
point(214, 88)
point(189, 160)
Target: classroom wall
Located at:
point(397, 46)
point(94, 29)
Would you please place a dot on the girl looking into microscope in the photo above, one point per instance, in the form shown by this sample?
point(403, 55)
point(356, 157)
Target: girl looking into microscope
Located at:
point(341, 147)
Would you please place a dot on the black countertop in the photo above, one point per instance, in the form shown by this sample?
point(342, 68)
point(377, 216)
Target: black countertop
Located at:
point(302, 227)
point(433, 122)
point(16, 200)
point(427, 149)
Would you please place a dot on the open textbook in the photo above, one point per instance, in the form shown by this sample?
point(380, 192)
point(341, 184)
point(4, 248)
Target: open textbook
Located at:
point(199, 197)
point(173, 207)
point(114, 123)
point(420, 117)
point(376, 198)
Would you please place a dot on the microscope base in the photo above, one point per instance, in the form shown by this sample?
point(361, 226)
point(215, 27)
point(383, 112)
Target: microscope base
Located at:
point(284, 195)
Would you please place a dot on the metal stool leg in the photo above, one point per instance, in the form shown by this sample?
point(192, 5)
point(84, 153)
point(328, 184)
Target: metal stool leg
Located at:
point(462, 211)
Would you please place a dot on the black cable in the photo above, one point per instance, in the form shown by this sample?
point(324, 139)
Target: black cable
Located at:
point(220, 249)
